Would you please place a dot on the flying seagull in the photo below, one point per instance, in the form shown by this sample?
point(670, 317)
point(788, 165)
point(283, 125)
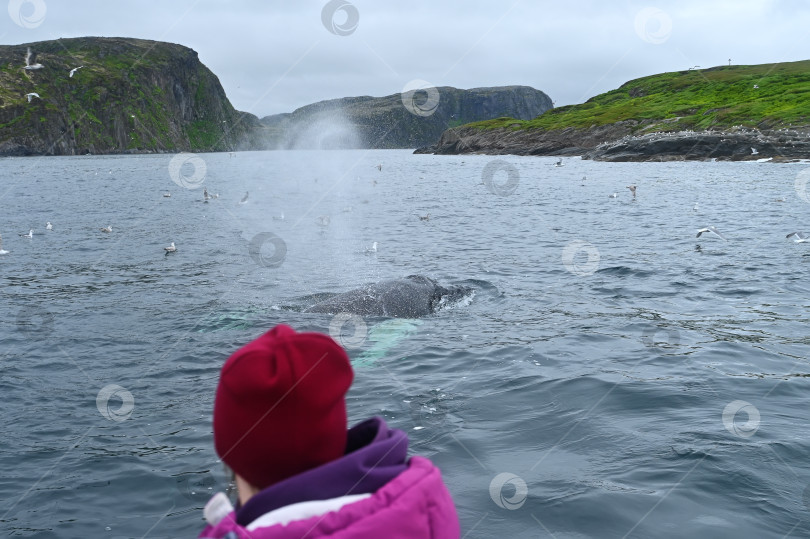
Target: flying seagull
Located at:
point(710, 230)
point(74, 70)
point(632, 190)
point(801, 237)
point(28, 65)
point(32, 94)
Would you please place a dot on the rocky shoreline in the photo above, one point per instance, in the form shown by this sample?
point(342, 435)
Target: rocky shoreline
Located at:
point(622, 142)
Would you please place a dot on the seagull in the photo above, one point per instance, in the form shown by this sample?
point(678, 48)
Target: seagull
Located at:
point(106, 229)
point(754, 151)
point(167, 195)
point(2, 252)
point(74, 70)
point(614, 195)
point(205, 194)
point(29, 235)
point(31, 95)
point(710, 230)
point(559, 163)
point(801, 237)
point(244, 198)
point(28, 65)
point(48, 226)
point(583, 179)
point(373, 248)
point(632, 190)
point(379, 167)
point(323, 220)
point(170, 249)
point(279, 217)
point(424, 217)
point(696, 207)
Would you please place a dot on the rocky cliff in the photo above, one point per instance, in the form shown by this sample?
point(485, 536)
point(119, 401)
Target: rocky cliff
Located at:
point(129, 95)
point(616, 142)
point(416, 120)
point(727, 112)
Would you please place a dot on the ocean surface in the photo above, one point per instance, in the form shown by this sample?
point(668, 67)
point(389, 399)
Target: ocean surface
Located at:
point(610, 375)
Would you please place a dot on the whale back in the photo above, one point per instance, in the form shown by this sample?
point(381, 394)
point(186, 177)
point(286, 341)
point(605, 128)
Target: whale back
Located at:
point(413, 296)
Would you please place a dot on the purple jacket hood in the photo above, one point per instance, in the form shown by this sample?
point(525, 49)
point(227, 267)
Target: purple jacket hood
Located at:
point(395, 496)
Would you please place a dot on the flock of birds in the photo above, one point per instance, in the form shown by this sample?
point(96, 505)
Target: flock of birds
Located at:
point(32, 65)
point(614, 194)
point(48, 226)
point(798, 237)
point(324, 220)
point(172, 248)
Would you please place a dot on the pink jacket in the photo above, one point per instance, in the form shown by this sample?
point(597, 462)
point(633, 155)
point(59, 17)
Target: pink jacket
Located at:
point(413, 505)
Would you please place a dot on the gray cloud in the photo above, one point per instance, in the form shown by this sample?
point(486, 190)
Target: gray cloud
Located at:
point(276, 56)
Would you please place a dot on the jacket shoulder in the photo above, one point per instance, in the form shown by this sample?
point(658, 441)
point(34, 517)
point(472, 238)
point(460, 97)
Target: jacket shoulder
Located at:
point(414, 504)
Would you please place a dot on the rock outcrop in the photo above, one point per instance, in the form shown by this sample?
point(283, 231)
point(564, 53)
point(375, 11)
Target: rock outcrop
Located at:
point(615, 142)
point(733, 145)
point(129, 96)
point(500, 141)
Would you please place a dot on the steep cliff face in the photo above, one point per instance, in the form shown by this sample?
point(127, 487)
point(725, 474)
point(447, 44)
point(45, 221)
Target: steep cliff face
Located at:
point(130, 95)
point(390, 122)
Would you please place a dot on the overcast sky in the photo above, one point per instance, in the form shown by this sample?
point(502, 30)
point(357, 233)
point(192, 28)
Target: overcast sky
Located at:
point(273, 56)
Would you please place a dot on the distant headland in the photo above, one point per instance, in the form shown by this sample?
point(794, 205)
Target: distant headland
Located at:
point(125, 96)
point(725, 113)
point(99, 95)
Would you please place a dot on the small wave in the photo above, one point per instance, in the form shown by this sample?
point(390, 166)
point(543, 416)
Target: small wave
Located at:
point(624, 271)
point(738, 292)
point(234, 320)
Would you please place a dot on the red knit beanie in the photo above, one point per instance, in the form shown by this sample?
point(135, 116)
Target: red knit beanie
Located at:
point(279, 408)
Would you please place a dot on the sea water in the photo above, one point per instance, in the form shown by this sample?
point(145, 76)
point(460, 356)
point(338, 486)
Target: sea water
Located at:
point(611, 375)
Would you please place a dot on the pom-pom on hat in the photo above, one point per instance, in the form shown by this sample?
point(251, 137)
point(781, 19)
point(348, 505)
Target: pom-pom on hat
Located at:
point(279, 408)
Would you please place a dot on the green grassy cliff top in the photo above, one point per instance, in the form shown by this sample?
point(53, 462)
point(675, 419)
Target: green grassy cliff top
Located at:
point(764, 96)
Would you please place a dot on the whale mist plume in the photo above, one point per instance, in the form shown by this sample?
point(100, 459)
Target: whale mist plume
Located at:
point(329, 130)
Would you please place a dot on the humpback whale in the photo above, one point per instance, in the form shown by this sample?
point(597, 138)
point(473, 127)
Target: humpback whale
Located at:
point(410, 297)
